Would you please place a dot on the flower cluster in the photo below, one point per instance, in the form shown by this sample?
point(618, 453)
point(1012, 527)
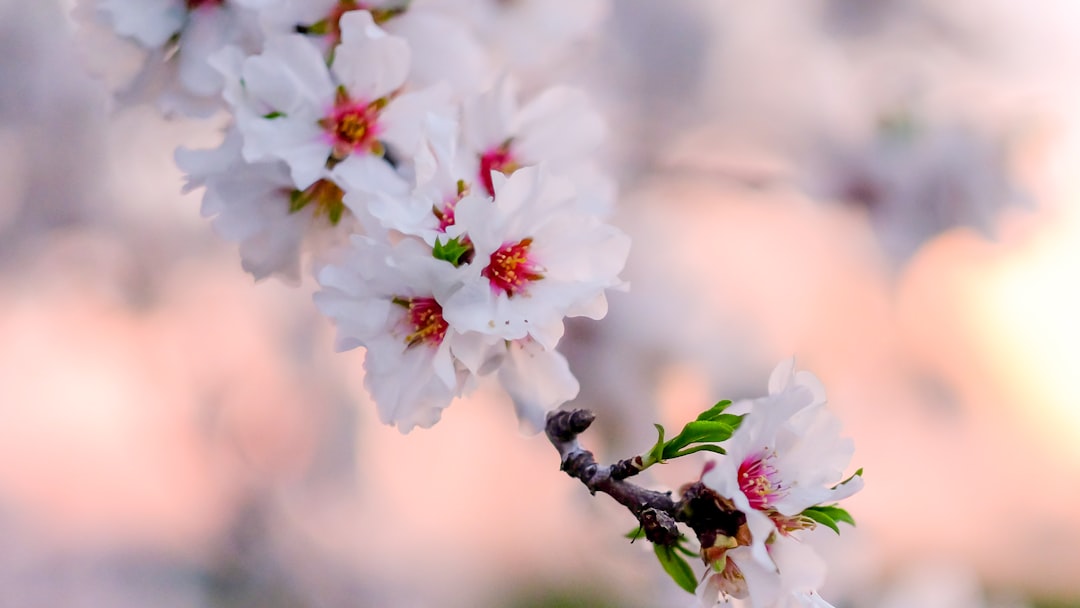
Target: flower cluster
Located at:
point(451, 230)
point(776, 478)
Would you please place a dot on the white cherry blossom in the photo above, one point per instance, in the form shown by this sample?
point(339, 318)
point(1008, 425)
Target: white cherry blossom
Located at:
point(386, 298)
point(784, 456)
point(559, 127)
point(256, 206)
point(537, 259)
point(296, 110)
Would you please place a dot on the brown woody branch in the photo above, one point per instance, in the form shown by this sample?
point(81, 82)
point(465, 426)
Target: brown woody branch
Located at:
point(705, 512)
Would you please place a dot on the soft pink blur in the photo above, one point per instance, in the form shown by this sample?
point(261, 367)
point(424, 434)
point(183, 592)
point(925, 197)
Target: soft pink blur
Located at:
point(155, 403)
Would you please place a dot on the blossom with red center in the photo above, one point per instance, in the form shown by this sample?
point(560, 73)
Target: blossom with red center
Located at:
point(538, 257)
point(388, 299)
point(785, 457)
point(559, 127)
point(290, 106)
point(512, 268)
point(424, 320)
point(352, 125)
point(499, 159)
point(759, 480)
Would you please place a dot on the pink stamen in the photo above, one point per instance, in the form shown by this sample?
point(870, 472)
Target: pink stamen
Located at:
point(352, 126)
point(511, 269)
point(496, 159)
point(759, 481)
point(425, 319)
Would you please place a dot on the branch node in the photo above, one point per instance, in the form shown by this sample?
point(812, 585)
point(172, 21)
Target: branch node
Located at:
point(566, 425)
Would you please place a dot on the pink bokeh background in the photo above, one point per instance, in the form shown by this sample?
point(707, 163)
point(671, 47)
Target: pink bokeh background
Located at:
point(173, 434)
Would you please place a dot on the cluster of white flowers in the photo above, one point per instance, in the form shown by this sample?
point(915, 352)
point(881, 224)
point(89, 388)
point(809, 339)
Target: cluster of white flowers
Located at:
point(378, 145)
point(778, 471)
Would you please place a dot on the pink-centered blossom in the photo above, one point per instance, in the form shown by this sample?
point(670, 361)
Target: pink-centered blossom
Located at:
point(559, 127)
point(786, 456)
point(386, 298)
point(537, 258)
point(291, 107)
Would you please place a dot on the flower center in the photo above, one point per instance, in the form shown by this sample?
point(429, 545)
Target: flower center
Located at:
point(497, 159)
point(352, 125)
point(511, 269)
point(425, 318)
point(759, 481)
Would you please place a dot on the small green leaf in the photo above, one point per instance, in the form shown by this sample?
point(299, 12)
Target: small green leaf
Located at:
point(703, 431)
point(704, 447)
point(453, 250)
point(687, 552)
point(836, 513)
point(714, 412)
point(822, 518)
point(273, 115)
point(676, 567)
point(635, 534)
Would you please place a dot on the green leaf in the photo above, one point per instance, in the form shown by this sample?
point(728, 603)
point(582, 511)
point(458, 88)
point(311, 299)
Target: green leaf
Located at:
point(829, 515)
point(836, 513)
point(704, 447)
point(635, 534)
point(676, 567)
point(822, 518)
point(703, 431)
point(273, 115)
point(687, 552)
point(714, 412)
point(452, 250)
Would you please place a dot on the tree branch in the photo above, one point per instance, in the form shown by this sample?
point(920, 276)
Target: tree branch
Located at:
point(704, 511)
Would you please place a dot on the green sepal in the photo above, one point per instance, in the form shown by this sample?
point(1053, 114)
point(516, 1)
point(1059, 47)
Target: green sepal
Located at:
point(334, 212)
point(635, 534)
point(297, 201)
point(452, 250)
point(676, 567)
point(319, 28)
point(829, 515)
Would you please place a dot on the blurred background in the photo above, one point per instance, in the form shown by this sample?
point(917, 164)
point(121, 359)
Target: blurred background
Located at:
point(883, 188)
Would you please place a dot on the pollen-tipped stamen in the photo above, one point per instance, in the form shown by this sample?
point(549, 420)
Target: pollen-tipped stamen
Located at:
point(511, 268)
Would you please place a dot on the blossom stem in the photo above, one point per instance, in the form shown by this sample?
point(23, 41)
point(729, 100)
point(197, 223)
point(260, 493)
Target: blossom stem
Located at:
point(655, 511)
point(710, 516)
